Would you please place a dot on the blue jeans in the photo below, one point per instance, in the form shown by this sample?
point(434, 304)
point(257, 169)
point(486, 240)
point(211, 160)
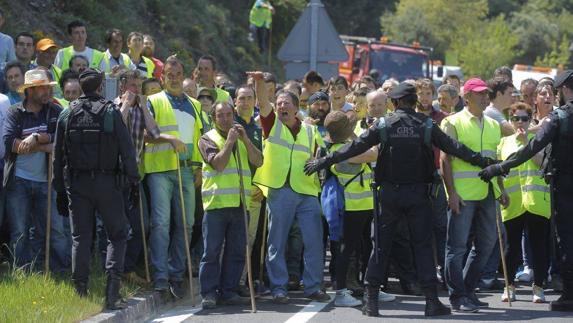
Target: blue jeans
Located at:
point(166, 239)
point(26, 204)
point(222, 228)
point(489, 272)
point(284, 206)
point(481, 215)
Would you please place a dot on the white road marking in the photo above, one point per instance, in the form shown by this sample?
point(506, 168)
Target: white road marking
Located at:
point(177, 315)
point(309, 311)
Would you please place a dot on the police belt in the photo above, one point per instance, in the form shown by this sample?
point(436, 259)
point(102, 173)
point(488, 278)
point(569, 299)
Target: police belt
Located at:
point(93, 172)
point(405, 185)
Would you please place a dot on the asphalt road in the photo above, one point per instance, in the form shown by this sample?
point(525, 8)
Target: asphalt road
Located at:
point(405, 308)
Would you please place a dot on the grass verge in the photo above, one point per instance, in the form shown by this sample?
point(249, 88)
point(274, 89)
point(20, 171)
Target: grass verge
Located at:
point(34, 297)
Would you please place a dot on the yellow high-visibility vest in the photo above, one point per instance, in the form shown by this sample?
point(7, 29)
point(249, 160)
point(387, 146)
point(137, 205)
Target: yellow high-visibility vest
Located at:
point(284, 157)
point(162, 157)
point(357, 193)
point(525, 185)
point(97, 57)
point(222, 189)
point(484, 140)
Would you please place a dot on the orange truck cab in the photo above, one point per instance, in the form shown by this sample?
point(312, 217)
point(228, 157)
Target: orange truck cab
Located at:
point(391, 60)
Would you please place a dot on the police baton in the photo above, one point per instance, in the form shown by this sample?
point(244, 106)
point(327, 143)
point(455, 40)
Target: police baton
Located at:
point(246, 219)
point(147, 277)
point(498, 220)
point(185, 233)
point(375, 210)
point(48, 216)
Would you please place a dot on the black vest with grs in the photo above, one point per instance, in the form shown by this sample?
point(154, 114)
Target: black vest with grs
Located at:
point(406, 155)
point(90, 141)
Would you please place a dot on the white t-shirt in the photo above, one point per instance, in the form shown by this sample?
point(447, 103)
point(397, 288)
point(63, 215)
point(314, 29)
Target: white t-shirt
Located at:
point(88, 53)
point(495, 114)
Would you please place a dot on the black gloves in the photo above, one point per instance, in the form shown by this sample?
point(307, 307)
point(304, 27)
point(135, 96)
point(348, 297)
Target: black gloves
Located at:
point(314, 165)
point(483, 162)
point(491, 171)
point(62, 204)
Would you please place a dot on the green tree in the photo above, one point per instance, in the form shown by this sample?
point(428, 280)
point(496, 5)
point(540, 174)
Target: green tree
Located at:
point(433, 23)
point(480, 53)
point(559, 55)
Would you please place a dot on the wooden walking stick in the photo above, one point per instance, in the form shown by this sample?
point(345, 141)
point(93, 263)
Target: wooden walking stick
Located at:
point(246, 218)
point(185, 233)
point(147, 276)
point(502, 250)
point(263, 241)
point(48, 216)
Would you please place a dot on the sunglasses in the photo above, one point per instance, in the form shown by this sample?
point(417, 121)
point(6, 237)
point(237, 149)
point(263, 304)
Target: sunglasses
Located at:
point(205, 97)
point(520, 118)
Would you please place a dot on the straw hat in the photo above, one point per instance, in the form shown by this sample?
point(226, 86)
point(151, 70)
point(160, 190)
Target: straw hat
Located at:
point(35, 77)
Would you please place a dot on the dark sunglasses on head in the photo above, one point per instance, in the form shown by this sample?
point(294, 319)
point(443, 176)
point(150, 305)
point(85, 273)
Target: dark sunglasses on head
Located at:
point(520, 118)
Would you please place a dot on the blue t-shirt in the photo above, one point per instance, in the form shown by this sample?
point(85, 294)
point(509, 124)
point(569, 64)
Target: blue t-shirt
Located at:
point(33, 166)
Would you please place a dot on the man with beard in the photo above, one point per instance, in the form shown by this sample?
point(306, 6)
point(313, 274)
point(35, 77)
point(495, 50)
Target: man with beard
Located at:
point(319, 107)
point(148, 51)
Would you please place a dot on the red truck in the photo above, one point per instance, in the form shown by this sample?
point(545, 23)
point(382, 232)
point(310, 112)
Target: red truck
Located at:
point(391, 60)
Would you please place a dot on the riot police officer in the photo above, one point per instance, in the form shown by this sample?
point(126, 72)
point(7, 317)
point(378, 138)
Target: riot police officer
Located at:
point(93, 159)
point(556, 130)
point(404, 172)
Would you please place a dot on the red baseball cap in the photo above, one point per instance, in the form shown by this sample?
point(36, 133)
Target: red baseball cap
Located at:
point(475, 85)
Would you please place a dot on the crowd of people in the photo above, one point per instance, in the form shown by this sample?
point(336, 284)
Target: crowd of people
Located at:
point(167, 169)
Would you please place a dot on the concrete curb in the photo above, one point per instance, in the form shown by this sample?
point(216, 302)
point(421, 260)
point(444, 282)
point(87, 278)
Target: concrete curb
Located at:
point(141, 307)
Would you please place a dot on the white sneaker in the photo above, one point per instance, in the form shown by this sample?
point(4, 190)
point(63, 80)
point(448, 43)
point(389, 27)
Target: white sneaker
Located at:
point(344, 299)
point(538, 294)
point(505, 297)
point(526, 275)
point(385, 297)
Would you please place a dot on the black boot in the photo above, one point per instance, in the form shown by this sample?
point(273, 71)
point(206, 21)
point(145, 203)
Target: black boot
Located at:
point(565, 302)
point(433, 305)
point(81, 288)
point(113, 300)
point(352, 282)
point(370, 307)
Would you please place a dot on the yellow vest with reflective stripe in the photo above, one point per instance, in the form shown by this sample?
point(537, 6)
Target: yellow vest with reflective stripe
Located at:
point(483, 140)
point(222, 189)
point(285, 156)
point(512, 182)
point(260, 16)
point(535, 191)
point(97, 57)
point(149, 65)
point(125, 61)
point(532, 193)
point(357, 194)
point(162, 157)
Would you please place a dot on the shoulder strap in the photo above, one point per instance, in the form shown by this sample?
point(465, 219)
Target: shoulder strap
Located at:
point(428, 125)
point(382, 132)
point(563, 124)
point(108, 118)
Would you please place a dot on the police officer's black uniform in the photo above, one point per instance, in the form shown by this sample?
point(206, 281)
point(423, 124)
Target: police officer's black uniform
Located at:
point(91, 140)
point(557, 130)
point(404, 170)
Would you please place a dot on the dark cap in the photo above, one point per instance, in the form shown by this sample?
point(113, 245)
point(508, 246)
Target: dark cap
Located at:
point(318, 96)
point(562, 78)
point(90, 80)
point(403, 89)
